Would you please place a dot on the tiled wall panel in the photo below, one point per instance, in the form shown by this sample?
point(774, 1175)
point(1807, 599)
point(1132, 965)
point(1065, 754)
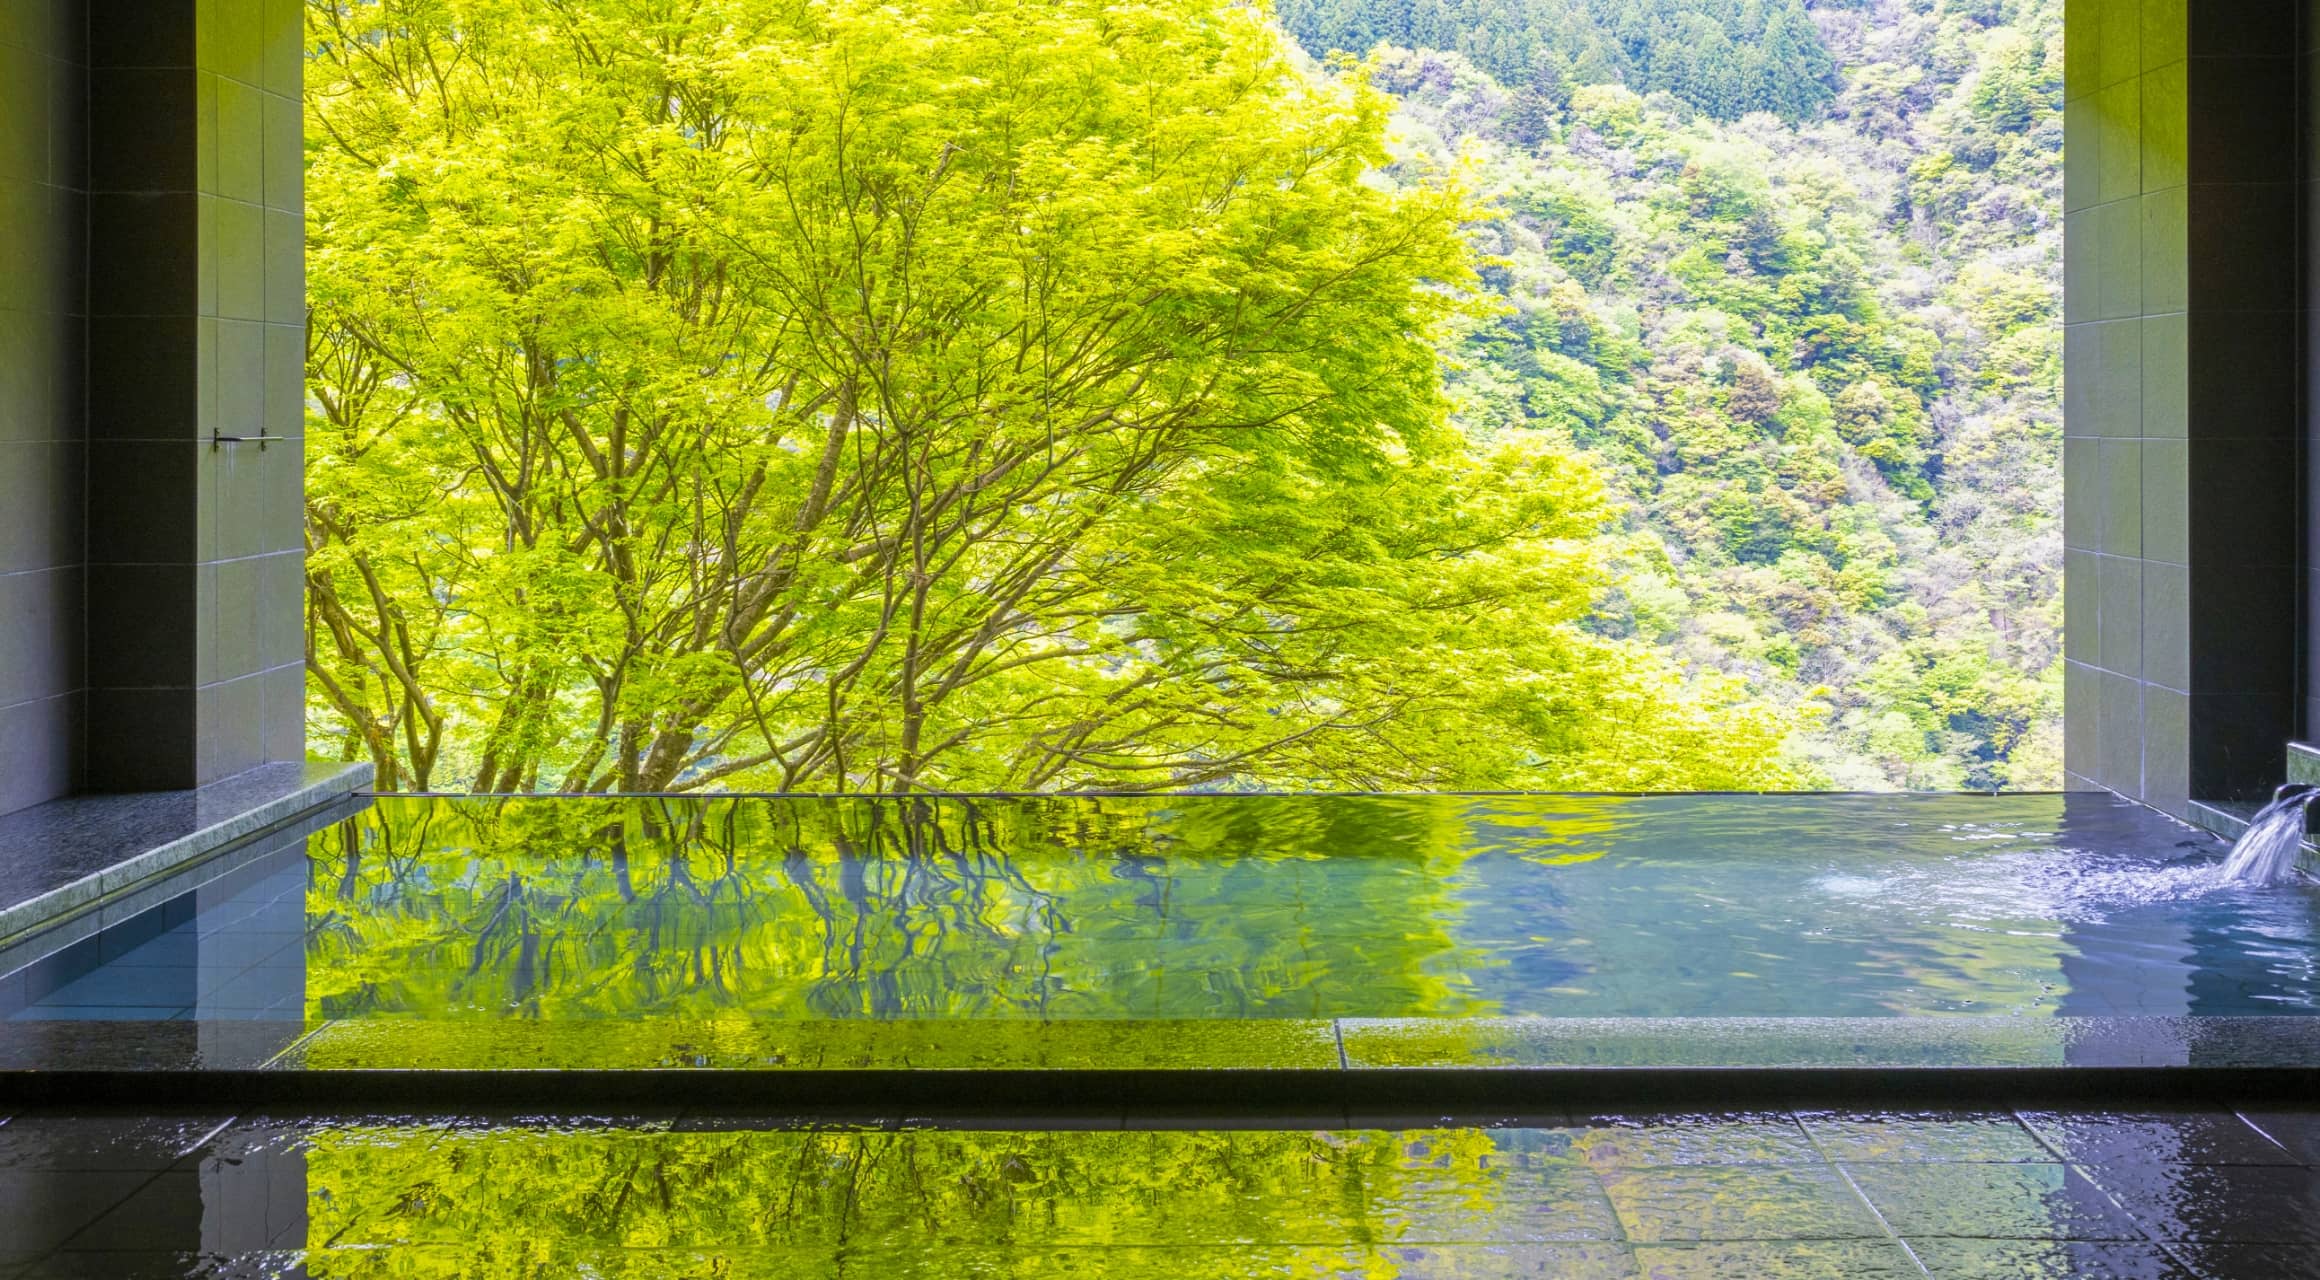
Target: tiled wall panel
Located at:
point(2183, 428)
point(2306, 356)
point(43, 442)
point(196, 283)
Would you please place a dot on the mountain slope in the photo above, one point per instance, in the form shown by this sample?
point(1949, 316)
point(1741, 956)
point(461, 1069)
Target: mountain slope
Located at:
point(1816, 357)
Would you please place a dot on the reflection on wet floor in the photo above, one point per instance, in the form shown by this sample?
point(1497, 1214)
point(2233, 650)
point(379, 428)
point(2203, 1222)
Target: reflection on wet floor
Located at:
point(2024, 1194)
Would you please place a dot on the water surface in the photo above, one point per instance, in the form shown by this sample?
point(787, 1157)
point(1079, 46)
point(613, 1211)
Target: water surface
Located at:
point(1223, 907)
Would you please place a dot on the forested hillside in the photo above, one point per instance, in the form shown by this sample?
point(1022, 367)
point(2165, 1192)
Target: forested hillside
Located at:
point(1725, 57)
point(1816, 357)
point(1597, 394)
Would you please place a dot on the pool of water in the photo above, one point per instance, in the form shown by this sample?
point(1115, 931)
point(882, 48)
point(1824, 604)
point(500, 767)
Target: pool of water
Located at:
point(1208, 908)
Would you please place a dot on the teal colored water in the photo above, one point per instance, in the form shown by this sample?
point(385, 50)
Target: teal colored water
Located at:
point(1221, 907)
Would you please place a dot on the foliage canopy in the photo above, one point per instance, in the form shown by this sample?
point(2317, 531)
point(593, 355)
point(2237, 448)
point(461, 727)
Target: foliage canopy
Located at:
point(840, 396)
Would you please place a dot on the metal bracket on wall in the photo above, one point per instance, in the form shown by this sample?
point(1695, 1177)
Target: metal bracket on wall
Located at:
point(217, 441)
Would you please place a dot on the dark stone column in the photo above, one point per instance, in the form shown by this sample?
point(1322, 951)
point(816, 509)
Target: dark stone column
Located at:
point(196, 351)
point(43, 440)
point(2244, 267)
point(2182, 443)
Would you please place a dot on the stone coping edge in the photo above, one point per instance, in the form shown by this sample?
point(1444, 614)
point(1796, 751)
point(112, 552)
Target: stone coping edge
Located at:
point(1305, 1095)
point(20, 921)
point(772, 1050)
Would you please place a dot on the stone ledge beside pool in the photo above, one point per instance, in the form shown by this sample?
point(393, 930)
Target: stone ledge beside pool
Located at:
point(1441, 1048)
point(1867, 1043)
point(72, 857)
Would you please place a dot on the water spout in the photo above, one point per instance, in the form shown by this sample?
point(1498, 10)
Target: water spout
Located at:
point(2266, 852)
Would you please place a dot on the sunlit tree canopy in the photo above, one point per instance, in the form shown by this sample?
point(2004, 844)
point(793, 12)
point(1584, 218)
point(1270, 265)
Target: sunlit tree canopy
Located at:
point(737, 393)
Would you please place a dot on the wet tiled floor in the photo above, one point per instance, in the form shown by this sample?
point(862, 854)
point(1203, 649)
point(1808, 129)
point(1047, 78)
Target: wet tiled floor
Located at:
point(2215, 1193)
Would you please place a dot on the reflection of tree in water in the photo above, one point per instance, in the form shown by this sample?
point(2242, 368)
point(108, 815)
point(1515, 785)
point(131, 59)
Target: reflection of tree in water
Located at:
point(932, 1202)
point(887, 908)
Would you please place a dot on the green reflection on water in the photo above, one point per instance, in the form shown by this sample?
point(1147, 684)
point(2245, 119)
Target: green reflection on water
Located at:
point(1264, 907)
point(522, 1202)
point(953, 923)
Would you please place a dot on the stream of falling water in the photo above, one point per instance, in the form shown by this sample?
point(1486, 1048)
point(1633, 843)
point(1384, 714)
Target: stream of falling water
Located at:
point(2266, 852)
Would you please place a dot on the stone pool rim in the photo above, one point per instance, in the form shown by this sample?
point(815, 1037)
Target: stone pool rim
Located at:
point(1515, 1063)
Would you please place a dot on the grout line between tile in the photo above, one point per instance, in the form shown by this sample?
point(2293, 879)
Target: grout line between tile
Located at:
point(205, 1139)
point(2036, 1136)
point(1814, 1140)
point(2241, 1116)
point(2071, 1166)
point(93, 1219)
point(272, 1061)
point(2167, 1250)
point(2148, 1231)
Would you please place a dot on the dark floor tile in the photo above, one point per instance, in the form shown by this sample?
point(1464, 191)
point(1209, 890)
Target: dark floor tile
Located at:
point(228, 1205)
point(2046, 1260)
point(167, 1266)
point(2210, 1261)
point(1992, 1202)
point(1566, 1261)
point(1776, 1260)
point(103, 1140)
point(1713, 1138)
point(162, 1216)
point(1520, 1262)
point(42, 1208)
point(2185, 1137)
point(2248, 1204)
point(1688, 1203)
point(1523, 1200)
point(1213, 1119)
point(2298, 1131)
point(1907, 1136)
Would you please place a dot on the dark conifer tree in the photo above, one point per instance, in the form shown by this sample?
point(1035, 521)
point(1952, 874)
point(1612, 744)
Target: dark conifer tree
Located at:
point(1724, 57)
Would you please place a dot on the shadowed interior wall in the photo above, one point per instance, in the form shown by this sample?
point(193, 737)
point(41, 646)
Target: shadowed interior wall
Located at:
point(196, 333)
point(151, 570)
point(2182, 349)
point(2308, 80)
point(43, 210)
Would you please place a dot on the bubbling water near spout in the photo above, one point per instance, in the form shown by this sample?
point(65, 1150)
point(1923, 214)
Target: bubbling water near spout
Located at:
point(2266, 852)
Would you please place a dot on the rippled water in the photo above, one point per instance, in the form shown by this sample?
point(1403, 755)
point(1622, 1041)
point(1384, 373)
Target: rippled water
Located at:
point(1247, 906)
point(1236, 907)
